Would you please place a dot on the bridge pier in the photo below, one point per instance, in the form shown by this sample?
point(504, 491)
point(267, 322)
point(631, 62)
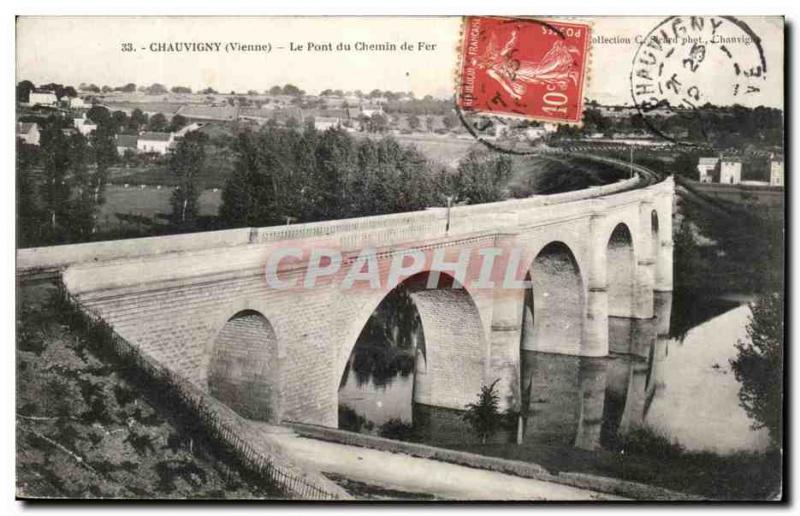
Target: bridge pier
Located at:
point(505, 336)
point(592, 392)
point(595, 341)
point(663, 271)
point(646, 263)
point(663, 310)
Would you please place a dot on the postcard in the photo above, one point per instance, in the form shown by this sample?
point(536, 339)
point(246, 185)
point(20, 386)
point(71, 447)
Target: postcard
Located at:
point(478, 258)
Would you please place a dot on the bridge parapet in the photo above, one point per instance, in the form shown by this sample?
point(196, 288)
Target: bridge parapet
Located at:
point(376, 230)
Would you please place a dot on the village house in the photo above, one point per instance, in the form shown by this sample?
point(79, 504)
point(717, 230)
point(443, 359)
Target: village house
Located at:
point(158, 143)
point(28, 132)
point(730, 171)
point(720, 170)
point(78, 103)
point(42, 98)
point(776, 171)
point(371, 109)
point(84, 125)
point(323, 123)
point(706, 168)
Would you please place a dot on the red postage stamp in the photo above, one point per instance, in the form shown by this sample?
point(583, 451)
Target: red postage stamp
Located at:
point(522, 67)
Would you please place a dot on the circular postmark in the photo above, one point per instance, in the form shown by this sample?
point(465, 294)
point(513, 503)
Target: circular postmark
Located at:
point(688, 65)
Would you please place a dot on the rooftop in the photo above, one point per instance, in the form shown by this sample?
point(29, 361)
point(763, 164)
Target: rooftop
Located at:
point(127, 140)
point(25, 127)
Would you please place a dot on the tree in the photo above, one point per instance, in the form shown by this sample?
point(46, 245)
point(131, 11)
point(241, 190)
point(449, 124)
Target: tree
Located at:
point(413, 122)
point(156, 89)
point(127, 88)
point(82, 203)
point(294, 91)
point(99, 115)
point(484, 416)
point(120, 120)
point(56, 88)
point(180, 89)
point(450, 120)
point(54, 189)
point(24, 89)
point(157, 123)
point(377, 123)
point(138, 119)
point(178, 122)
point(759, 365)
point(70, 92)
point(186, 163)
point(28, 215)
point(209, 91)
point(482, 177)
point(275, 90)
point(430, 123)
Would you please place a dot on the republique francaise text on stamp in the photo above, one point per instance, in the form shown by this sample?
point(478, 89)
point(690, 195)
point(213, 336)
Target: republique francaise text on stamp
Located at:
point(523, 67)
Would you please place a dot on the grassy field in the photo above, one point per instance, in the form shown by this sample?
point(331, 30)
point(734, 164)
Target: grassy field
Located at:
point(146, 202)
point(444, 150)
point(218, 166)
point(86, 429)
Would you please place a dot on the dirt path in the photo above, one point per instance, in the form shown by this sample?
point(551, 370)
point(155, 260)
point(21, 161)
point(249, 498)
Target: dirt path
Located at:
point(401, 472)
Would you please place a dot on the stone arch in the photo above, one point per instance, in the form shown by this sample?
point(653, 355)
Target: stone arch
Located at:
point(554, 307)
point(621, 272)
point(453, 359)
point(243, 368)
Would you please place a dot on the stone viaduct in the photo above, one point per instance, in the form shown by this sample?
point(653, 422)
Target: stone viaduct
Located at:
point(200, 304)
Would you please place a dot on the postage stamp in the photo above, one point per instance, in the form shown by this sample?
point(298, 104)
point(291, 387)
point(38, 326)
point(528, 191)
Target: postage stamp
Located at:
point(523, 67)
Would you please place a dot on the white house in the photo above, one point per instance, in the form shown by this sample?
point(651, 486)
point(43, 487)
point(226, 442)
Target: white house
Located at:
point(78, 103)
point(28, 132)
point(706, 168)
point(158, 143)
point(322, 123)
point(84, 125)
point(42, 98)
point(730, 171)
point(371, 109)
point(776, 172)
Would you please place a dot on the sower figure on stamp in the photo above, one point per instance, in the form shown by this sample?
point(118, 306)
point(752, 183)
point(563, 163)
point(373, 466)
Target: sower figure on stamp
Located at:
point(556, 67)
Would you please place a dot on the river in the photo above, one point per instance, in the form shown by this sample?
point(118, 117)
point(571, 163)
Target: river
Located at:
point(679, 385)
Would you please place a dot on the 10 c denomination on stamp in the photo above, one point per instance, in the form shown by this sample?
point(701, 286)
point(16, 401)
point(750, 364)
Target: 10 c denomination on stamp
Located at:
point(524, 68)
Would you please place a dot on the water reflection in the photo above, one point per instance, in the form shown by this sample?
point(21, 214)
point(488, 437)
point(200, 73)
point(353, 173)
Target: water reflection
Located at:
point(680, 388)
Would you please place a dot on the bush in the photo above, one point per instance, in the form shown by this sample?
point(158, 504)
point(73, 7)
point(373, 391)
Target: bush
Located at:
point(484, 416)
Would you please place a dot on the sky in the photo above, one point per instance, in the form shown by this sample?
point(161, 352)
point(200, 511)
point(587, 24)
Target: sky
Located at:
point(71, 50)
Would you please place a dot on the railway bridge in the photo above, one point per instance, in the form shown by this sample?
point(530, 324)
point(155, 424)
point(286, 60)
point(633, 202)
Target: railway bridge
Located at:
point(234, 311)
